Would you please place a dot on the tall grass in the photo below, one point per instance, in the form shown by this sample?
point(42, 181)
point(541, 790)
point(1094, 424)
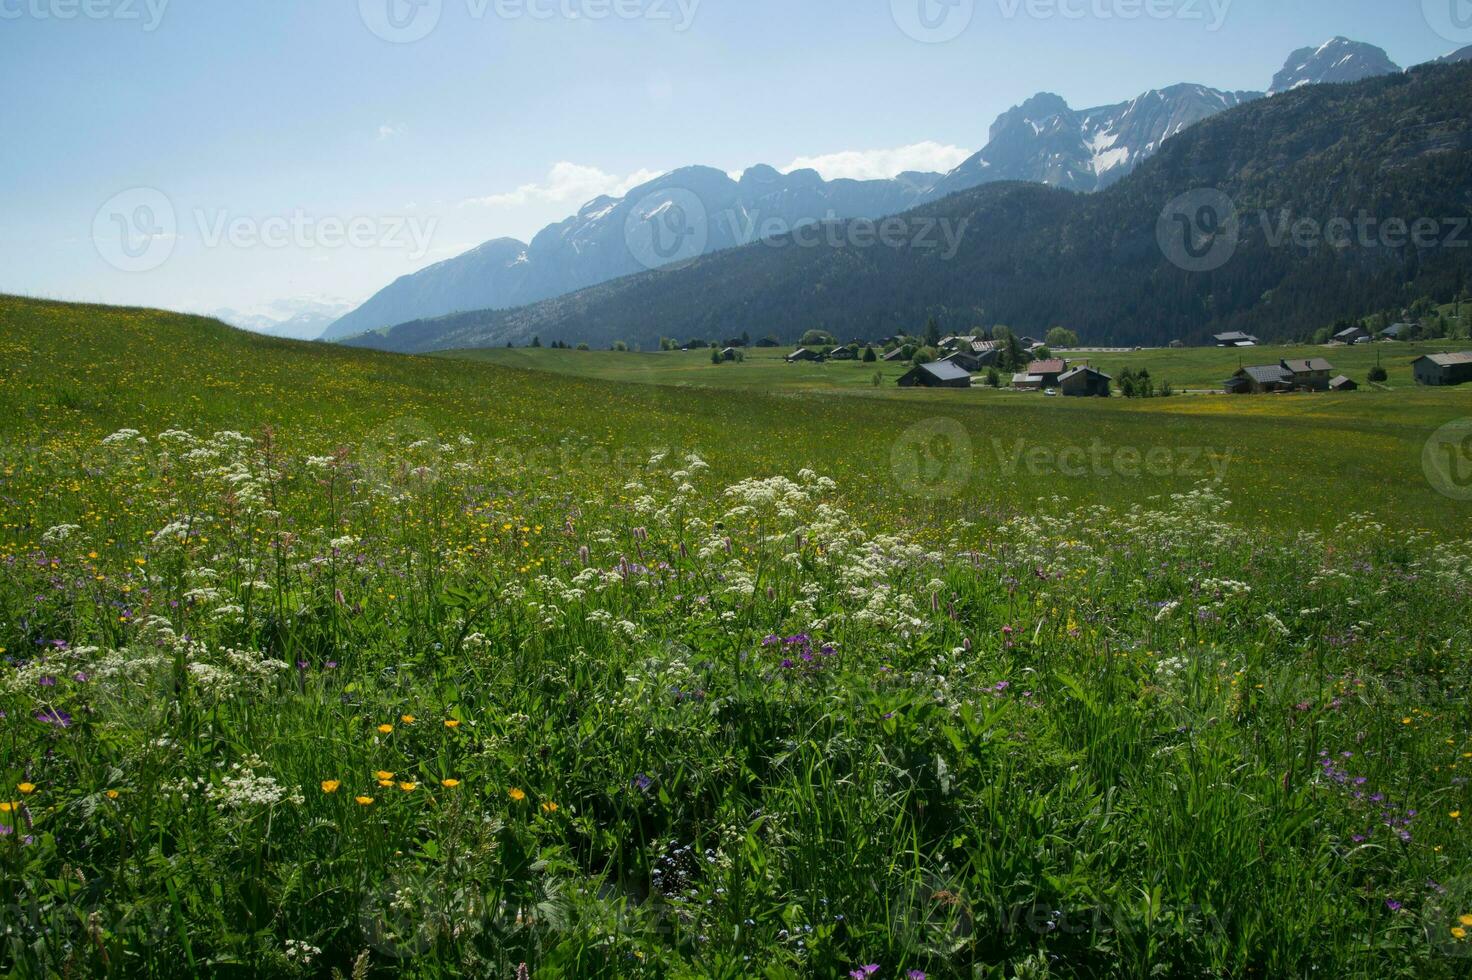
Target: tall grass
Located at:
point(406, 708)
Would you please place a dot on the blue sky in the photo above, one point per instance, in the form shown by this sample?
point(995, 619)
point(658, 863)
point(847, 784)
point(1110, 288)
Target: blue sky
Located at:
point(272, 130)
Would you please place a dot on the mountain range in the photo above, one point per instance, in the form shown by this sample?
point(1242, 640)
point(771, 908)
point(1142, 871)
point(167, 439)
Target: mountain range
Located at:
point(1392, 148)
point(294, 319)
point(699, 210)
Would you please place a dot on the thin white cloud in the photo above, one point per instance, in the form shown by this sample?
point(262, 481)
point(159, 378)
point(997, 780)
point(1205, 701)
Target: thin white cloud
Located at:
point(386, 133)
point(929, 157)
point(567, 182)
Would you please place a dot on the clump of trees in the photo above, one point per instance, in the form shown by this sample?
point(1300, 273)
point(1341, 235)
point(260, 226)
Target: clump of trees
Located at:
point(1139, 384)
point(1061, 337)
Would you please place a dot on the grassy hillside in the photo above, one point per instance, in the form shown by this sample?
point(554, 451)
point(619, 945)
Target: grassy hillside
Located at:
point(296, 680)
point(71, 375)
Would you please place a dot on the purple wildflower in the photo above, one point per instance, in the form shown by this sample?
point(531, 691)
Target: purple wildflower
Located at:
point(51, 716)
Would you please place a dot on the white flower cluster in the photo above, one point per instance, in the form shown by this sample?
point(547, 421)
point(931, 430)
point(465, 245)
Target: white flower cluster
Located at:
point(301, 953)
point(241, 787)
point(59, 533)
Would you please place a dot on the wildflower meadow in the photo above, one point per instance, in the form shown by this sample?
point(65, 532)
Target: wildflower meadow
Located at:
point(280, 702)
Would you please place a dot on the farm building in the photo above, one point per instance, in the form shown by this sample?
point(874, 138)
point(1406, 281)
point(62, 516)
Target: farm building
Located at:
point(1342, 383)
point(767, 342)
point(1260, 380)
point(729, 354)
point(1398, 331)
point(1235, 338)
point(1050, 370)
point(801, 354)
point(1027, 382)
point(1439, 370)
point(898, 354)
point(963, 360)
point(939, 374)
point(1312, 373)
point(1084, 382)
point(1352, 335)
point(845, 353)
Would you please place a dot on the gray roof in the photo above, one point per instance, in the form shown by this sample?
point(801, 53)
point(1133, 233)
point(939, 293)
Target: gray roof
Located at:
point(1233, 335)
point(1027, 379)
point(1268, 374)
point(1084, 369)
point(1448, 360)
point(946, 371)
point(1348, 331)
point(1339, 381)
point(1304, 365)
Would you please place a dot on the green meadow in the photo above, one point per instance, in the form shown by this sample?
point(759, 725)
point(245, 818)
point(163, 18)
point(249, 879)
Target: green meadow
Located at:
point(1194, 368)
point(319, 661)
